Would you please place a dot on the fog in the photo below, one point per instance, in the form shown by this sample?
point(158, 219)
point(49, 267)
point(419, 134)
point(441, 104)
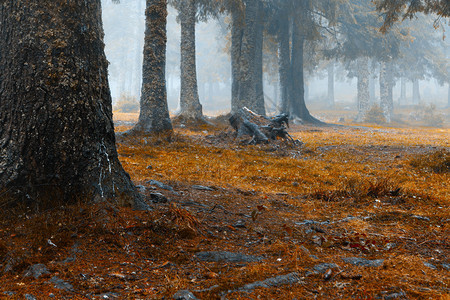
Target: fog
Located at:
point(124, 36)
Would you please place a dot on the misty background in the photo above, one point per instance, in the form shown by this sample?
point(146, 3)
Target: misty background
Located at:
point(124, 26)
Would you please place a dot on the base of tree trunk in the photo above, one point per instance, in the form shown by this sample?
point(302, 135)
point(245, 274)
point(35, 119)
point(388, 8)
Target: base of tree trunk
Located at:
point(193, 123)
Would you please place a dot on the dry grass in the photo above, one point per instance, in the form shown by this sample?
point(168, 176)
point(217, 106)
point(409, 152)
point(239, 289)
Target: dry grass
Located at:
point(385, 179)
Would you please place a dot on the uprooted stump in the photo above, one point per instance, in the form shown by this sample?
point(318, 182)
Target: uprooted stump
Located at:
point(261, 129)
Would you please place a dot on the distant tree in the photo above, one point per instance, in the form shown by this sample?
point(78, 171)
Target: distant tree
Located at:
point(57, 142)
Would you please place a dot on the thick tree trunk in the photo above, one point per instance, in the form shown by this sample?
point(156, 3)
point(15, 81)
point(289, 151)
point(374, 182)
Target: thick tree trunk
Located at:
point(284, 63)
point(363, 88)
point(259, 39)
point(154, 115)
point(247, 80)
point(416, 91)
point(57, 141)
point(330, 95)
point(237, 32)
point(191, 108)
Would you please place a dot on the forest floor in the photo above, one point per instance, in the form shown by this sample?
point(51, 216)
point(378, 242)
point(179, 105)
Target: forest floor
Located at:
point(354, 212)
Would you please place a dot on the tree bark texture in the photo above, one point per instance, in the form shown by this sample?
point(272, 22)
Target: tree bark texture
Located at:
point(402, 99)
point(189, 100)
point(154, 113)
point(57, 140)
point(331, 84)
point(259, 39)
point(363, 97)
point(284, 64)
point(237, 32)
point(298, 106)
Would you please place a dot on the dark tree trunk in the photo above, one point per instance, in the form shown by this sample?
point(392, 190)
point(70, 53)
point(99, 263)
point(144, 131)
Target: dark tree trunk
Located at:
point(154, 115)
point(259, 39)
point(246, 76)
point(284, 64)
point(330, 84)
point(191, 108)
point(236, 49)
point(57, 140)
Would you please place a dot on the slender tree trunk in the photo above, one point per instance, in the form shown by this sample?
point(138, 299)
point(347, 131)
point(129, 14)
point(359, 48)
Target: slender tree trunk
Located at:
point(259, 39)
point(57, 141)
point(448, 96)
point(416, 91)
point(189, 101)
point(284, 63)
point(384, 91)
point(402, 99)
point(330, 96)
point(154, 115)
point(363, 88)
point(372, 88)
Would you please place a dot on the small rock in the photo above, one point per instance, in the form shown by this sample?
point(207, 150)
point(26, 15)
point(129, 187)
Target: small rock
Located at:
point(184, 295)
point(394, 296)
point(141, 188)
point(149, 167)
point(363, 262)
point(161, 185)
point(36, 271)
point(446, 266)
point(158, 198)
point(61, 284)
point(322, 268)
point(431, 266)
point(9, 293)
point(239, 224)
point(421, 218)
point(202, 188)
point(30, 297)
point(225, 256)
point(290, 278)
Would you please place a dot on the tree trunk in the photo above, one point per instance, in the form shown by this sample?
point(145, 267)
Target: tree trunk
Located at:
point(237, 32)
point(330, 96)
point(363, 88)
point(246, 76)
point(372, 88)
point(259, 39)
point(154, 115)
point(402, 99)
point(448, 96)
point(57, 142)
point(284, 63)
point(416, 91)
point(384, 91)
point(191, 108)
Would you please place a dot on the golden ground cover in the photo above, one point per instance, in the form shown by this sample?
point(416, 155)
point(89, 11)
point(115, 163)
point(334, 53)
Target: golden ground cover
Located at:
point(348, 191)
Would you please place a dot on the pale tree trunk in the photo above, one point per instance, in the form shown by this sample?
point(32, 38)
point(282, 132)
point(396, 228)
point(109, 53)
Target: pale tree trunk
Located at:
point(448, 96)
point(416, 91)
point(191, 108)
point(402, 99)
point(384, 91)
point(284, 62)
point(154, 114)
point(57, 142)
point(372, 88)
point(330, 95)
point(363, 97)
point(259, 39)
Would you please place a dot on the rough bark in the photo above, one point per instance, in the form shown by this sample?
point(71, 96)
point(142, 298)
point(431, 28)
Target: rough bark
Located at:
point(236, 48)
point(191, 108)
point(57, 141)
point(246, 94)
point(154, 113)
point(259, 39)
point(416, 91)
point(330, 95)
point(363, 88)
point(284, 63)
